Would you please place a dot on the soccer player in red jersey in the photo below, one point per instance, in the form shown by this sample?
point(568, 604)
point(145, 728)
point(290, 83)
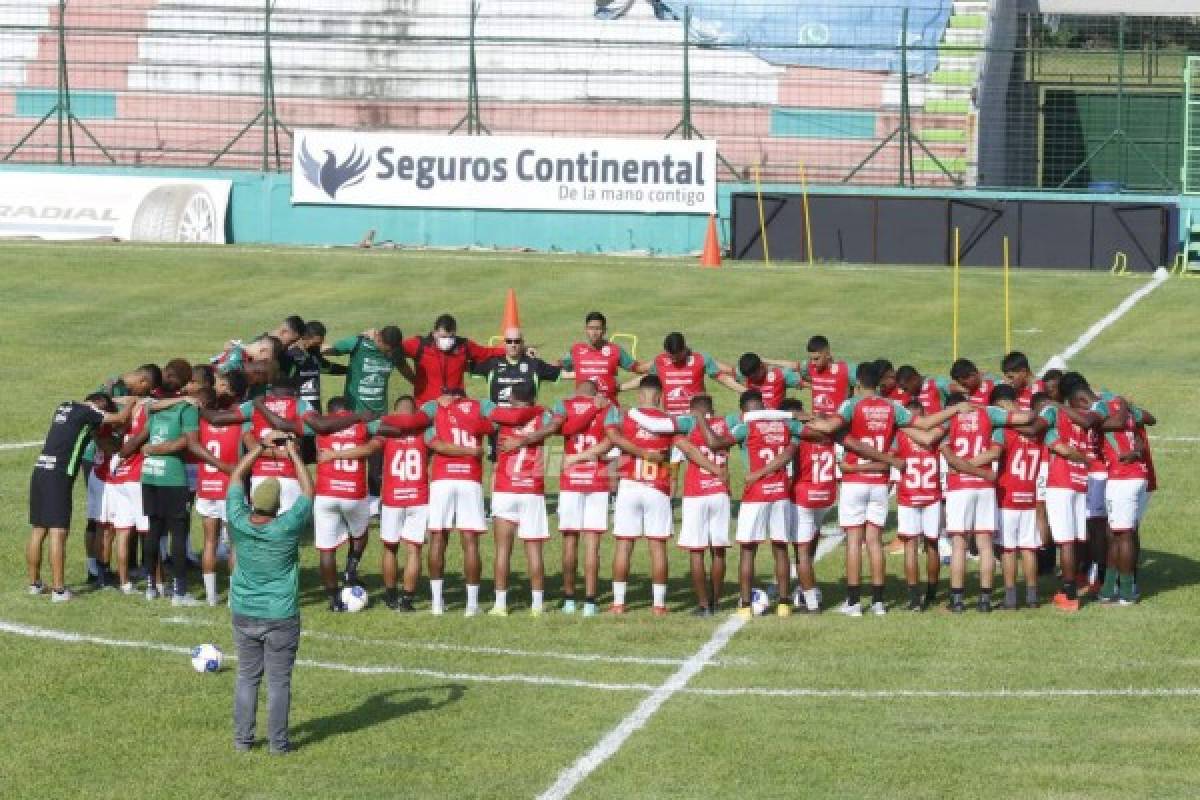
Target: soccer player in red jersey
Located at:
point(967, 378)
point(704, 527)
point(597, 359)
point(814, 493)
point(1018, 375)
point(772, 382)
point(456, 489)
point(643, 506)
point(519, 493)
point(919, 508)
point(123, 490)
point(863, 503)
point(1016, 494)
point(929, 392)
point(831, 380)
point(223, 443)
point(970, 449)
point(583, 488)
point(341, 508)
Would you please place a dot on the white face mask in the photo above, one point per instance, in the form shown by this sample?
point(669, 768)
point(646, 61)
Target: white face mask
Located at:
point(444, 343)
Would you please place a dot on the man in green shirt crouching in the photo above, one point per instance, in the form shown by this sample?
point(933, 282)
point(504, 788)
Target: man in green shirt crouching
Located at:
point(264, 593)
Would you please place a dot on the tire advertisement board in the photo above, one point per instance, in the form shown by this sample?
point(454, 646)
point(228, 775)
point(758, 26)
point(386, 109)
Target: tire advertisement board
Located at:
point(69, 205)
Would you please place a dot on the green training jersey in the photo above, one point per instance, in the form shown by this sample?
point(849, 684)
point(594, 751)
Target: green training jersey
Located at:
point(367, 373)
point(163, 426)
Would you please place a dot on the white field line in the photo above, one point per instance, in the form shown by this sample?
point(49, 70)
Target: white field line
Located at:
point(442, 647)
point(18, 445)
point(1175, 438)
point(573, 775)
point(1062, 359)
point(68, 637)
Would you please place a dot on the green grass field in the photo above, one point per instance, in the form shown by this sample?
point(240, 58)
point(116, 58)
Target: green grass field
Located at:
point(914, 706)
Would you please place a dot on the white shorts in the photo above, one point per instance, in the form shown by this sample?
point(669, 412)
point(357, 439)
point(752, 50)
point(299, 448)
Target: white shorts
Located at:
point(914, 521)
point(123, 506)
point(1096, 505)
point(289, 490)
point(1125, 499)
point(95, 497)
point(1019, 530)
point(456, 505)
point(1042, 476)
point(211, 509)
point(971, 511)
point(1066, 509)
point(641, 511)
point(583, 512)
point(705, 522)
point(807, 522)
point(862, 503)
point(758, 521)
point(192, 471)
point(336, 518)
point(943, 473)
point(528, 511)
point(405, 523)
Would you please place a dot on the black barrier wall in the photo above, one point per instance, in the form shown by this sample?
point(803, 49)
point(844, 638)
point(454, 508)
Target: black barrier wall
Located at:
point(920, 230)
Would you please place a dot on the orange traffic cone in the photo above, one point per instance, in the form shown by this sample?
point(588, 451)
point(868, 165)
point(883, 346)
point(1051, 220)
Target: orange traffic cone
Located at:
point(711, 255)
point(511, 318)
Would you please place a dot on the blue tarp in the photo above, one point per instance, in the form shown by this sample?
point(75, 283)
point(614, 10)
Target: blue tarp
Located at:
point(826, 33)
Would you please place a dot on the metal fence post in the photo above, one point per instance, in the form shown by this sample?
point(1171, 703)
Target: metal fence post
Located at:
point(472, 118)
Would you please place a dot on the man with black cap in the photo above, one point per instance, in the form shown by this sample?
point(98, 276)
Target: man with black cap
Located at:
point(264, 593)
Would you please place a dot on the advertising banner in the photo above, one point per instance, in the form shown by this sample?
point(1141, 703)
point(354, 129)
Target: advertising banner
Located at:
point(71, 205)
point(515, 173)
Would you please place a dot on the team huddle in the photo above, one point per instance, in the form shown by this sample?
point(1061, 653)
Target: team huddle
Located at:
point(1016, 467)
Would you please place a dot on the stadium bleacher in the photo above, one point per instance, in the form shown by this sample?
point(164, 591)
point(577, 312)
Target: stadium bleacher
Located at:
point(173, 81)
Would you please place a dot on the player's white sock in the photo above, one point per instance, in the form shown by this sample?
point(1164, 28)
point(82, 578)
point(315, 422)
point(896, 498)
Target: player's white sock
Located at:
point(501, 598)
point(435, 589)
point(210, 587)
point(91, 566)
point(811, 600)
point(538, 597)
point(794, 573)
point(659, 592)
point(473, 595)
point(618, 593)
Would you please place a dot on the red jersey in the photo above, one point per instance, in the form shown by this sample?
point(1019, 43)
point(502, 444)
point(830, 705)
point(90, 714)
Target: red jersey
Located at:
point(983, 395)
point(289, 409)
point(656, 476)
point(599, 365)
point(224, 442)
point(1016, 487)
point(1117, 443)
point(522, 471)
point(1065, 474)
point(345, 478)
point(970, 435)
point(405, 470)
point(931, 397)
point(898, 395)
point(129, 470)
point(1025, 396)
point(462, 423)
point(437, 370)
point(774, 385)
point(698, 482)
point(586, 476)
point(681, 383)
point(830, 387)
point(762, 441)
point(874, 420)
point(921, 484)
point(815, 472)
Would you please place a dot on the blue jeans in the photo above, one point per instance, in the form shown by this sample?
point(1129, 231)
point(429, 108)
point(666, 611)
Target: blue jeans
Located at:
point(268, 645)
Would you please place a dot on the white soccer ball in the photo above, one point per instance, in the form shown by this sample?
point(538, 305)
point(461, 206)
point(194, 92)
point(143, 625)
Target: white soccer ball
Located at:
point(355, 598)
point(207, 658)
point(759, 601)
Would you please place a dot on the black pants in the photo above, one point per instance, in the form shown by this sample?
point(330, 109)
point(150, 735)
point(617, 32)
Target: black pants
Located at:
point(375, 474)
point(169, 510)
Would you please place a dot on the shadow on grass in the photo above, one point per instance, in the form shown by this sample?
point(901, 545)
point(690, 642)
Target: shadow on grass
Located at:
point(378, 709)
point(1160, 572)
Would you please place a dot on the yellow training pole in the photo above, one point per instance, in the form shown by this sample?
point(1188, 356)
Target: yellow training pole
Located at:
point(807, 219)
point(1007, 306)
point(762, 219)
point(954, 327)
